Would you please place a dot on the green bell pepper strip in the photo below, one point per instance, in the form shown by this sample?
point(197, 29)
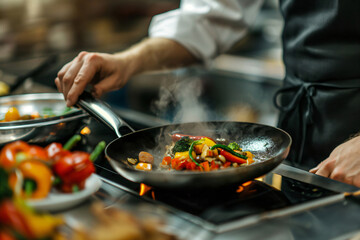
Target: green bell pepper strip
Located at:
point(30, 186)
point(226, 148)
point(97, 151)
point(72, 142)
point(191, 149)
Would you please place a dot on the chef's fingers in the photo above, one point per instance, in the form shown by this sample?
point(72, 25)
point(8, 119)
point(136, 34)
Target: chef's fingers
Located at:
point(105, 85)
point(339, 175)
point(82, 79)
point(326, 168)
point(314, 170)
point(58, 84)
point(72, 73)
point(63, 70)
point(62, 73)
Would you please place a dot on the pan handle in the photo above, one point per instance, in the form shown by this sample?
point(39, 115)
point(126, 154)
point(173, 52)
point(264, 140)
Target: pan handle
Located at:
point(102, 112)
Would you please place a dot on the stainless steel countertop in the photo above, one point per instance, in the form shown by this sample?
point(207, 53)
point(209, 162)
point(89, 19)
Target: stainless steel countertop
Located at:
point(333, 217)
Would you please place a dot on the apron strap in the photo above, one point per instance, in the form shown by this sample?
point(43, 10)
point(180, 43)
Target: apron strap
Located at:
point(305, 91)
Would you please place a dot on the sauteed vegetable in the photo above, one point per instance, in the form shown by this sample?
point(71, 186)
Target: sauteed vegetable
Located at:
point(34, 170)
point(18, 221)
point(13, 114)
point(196, 153)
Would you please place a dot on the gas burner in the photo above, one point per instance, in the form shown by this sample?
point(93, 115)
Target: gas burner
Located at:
point(213, 206)
point(223, 205)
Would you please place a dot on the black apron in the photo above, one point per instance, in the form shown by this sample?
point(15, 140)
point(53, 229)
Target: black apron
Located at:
point(320, 100)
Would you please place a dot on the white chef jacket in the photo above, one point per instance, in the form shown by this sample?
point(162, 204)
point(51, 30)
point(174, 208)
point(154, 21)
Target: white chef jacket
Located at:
point(206, 27)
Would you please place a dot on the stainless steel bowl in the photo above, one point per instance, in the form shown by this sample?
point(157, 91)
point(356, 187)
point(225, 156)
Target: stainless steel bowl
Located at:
point(42, 130)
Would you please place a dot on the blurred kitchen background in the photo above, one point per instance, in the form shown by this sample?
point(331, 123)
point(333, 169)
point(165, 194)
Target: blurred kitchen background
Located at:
point(37, 37)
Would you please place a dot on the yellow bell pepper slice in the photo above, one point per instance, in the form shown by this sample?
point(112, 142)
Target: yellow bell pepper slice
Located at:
point(144, 166)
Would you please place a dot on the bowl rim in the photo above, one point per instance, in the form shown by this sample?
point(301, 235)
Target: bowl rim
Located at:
point(78, 113)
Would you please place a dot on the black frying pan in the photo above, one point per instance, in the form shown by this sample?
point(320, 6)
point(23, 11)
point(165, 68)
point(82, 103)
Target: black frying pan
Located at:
point(269, 145)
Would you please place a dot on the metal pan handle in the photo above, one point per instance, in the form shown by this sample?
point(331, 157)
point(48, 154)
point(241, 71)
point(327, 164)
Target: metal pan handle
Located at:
point(102, 112)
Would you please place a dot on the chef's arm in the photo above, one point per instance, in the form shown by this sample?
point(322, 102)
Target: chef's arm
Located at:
point(198, 30)
point(109, 72)
point(156, 54)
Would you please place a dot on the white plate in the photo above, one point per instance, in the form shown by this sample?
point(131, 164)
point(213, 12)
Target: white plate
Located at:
point(59, 201)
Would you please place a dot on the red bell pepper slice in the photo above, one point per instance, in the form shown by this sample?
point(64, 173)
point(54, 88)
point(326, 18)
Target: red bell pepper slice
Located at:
point(178, 164)
point(232, 158)
point(227, 164)
point(214, 166)
point(191, 166)
point(205, 166)
point(6, 235)
point(10, 216)
point(37, 152)
point(166, 160)
point(8, 153)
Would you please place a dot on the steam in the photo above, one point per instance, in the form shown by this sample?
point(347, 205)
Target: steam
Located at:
point(184, 95)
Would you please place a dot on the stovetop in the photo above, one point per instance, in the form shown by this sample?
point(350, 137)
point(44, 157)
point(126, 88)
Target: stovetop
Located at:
point(220, 206)
point(287, 203)
point(213, 206)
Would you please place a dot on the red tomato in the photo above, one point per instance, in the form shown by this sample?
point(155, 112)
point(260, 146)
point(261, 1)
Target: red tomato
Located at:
point(53, 149)
point(74, 168)
point(68, 188)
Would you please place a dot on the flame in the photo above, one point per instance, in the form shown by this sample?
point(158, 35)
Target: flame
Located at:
point(85, 131)
point(245, 184)
point(144, 189)
point(240, 189)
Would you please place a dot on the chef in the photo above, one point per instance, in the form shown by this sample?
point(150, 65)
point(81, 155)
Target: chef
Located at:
point(320, 98)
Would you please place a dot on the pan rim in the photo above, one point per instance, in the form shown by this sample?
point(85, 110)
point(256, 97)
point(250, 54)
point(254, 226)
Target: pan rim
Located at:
point(186, 172)
point(41, 122)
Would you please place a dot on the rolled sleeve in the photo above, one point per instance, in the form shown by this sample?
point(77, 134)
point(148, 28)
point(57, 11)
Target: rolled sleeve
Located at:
point(206, 28)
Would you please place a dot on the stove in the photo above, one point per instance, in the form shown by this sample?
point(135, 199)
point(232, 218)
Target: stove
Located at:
point(284, 191)
point(222, 206)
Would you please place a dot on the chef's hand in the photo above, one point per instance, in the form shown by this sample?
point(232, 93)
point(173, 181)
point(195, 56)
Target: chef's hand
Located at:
point(105, 72)
point(343, 164)
point(109, 72)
